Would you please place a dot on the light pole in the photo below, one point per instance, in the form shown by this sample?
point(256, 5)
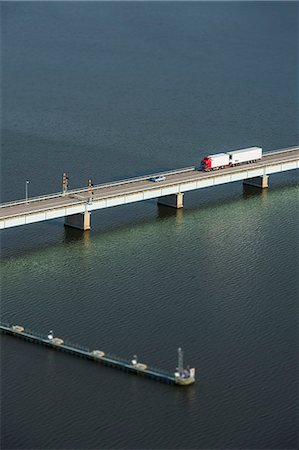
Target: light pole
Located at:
point(27, 190)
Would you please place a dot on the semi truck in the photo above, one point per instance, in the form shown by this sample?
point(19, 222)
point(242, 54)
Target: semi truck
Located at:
point(217, 161)
point(230, 159)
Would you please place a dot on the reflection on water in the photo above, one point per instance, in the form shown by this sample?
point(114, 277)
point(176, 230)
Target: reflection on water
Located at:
point(189, 396)
point(73, 234)
point(167, 211)
point(251, 191)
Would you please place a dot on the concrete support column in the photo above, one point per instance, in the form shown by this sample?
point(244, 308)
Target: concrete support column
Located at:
point(261, 182)
point(80, 221)
point(173, 200)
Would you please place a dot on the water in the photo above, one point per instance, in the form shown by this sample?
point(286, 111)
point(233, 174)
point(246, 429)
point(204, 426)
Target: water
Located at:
point(111, 90)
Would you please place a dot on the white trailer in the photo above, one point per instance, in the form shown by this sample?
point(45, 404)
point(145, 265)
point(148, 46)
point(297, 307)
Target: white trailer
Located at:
point(219, 160)
point(245, 155)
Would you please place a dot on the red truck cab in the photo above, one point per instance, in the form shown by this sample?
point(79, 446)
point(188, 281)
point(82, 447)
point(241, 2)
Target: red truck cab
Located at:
point(206, 163)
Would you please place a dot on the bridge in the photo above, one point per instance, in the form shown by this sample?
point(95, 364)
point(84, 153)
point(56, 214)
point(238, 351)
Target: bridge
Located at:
point(76, 205)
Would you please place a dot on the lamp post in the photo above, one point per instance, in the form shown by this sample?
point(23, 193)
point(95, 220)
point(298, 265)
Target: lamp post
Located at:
point(27, 190)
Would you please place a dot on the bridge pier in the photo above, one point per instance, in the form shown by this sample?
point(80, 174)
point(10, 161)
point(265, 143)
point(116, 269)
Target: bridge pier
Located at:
point(80, 221)
point(173, 200)
point(261, 182)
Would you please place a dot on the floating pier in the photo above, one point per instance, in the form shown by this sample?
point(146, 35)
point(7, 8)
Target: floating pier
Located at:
point(181, 376)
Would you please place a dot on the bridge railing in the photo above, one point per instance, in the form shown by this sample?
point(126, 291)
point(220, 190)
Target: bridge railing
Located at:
point(286, 150)
point(98, 186)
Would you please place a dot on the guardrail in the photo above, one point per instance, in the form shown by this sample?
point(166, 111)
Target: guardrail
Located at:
point(286, 150)
point(48, 208)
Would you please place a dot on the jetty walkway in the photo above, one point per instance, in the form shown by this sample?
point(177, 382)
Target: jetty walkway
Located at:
point(180, 377)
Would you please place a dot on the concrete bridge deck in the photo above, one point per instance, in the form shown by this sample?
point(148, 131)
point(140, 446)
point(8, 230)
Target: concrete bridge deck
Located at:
point(76, 205)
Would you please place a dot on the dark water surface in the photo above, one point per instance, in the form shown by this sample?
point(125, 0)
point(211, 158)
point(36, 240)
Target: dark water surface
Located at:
point(113, 90)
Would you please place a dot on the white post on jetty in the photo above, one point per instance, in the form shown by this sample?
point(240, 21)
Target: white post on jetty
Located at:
point(180, 360)
point(134, 361)
point(50, 335)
